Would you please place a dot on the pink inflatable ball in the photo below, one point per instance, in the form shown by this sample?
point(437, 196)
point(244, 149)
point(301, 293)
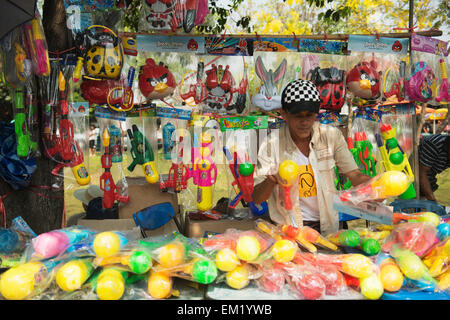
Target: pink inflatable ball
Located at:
point(272, 280)
point(333, 279)
point(311, 286)
point(50, 244)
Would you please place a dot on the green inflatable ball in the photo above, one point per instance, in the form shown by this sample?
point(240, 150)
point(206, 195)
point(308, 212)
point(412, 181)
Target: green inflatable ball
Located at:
point(349, 238)
point(371, 247)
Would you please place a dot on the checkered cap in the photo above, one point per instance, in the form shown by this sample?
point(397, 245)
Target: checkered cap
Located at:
point(300, 95)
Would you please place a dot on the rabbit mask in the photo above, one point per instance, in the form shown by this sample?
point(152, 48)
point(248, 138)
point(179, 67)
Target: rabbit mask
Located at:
point(268, 97)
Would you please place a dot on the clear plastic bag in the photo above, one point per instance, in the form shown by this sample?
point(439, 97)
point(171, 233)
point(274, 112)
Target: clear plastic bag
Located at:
point(171, 15)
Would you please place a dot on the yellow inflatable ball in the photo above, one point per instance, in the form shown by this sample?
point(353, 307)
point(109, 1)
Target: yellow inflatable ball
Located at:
point(371, 287)
point(171, 255)
point(159, 285)
point(226, 260)
point(248, 248)
point(110, 285)
point(239, 277)
point(284, 250)
point(106, 244)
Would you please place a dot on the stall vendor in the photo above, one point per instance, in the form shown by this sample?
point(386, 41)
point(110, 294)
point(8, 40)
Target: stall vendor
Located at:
point(434, 157)
point(317, 149)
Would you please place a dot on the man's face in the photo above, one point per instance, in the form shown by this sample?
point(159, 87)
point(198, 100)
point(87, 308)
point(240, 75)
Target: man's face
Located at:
point(300, 124)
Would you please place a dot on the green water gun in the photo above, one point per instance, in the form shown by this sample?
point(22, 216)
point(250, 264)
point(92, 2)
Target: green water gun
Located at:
point(362, 153)
point(142, 153)
point(24, 142)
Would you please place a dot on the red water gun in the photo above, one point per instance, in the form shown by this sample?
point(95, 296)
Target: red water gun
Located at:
point(243, 180)
point(107, 184)
point(64, 143)
point(198, 90)
point(178, 174)
point(444, 94)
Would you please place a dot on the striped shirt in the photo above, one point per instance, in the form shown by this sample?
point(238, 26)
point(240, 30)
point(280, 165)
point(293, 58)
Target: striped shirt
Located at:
point(433, 154)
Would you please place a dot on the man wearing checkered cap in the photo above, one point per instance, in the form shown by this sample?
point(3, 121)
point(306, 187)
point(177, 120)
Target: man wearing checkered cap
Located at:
point(316, 149)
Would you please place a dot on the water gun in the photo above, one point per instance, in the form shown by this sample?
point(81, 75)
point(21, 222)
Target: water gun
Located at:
point(125, 102)
point(24, 143)
point(178, 176)
point(43, 65)
point(139, 260)
point(362, 149)
point(198, 90)
point(394, 158)
point(444, 92)
point(26, 280)
point(65, 144)
point(55, 242)
point(73, 274)
point(288, 172)
point(243, 180)
point(384, 185)
point(351, 238)
point(168, 144)
point(107, 185)
point(142, 153)
point(203, 172)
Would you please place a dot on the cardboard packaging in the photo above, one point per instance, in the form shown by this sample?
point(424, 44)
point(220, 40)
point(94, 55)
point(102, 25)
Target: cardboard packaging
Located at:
point(197, 228)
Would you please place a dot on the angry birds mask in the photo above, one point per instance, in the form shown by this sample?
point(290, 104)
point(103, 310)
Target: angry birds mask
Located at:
point(156, 81)
point(364, 80)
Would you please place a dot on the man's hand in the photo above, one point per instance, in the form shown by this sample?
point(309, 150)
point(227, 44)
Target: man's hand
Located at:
point(425, 185)
point(356, 177)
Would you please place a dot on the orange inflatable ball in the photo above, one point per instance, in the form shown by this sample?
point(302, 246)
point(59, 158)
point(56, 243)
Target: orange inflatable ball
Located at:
point(171, 254)
point(159, 285)
point(390, 275)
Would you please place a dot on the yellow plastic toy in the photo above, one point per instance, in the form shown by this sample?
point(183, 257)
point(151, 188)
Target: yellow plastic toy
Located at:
point(73, 274)
point(18, 283)
point(438, 259)
point(394, 158)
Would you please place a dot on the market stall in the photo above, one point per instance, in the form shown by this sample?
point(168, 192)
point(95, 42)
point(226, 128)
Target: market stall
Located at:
point(156, 136)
